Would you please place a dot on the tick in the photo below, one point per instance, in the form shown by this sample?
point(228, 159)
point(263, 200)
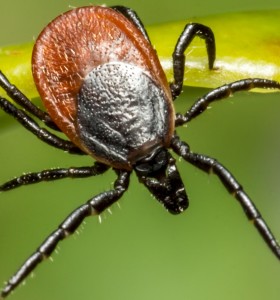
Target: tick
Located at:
point(102, 85)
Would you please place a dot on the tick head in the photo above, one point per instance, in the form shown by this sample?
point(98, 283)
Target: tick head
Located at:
point(158, 172)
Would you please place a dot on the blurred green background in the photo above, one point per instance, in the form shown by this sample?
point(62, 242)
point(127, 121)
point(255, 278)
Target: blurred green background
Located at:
point(140, 251)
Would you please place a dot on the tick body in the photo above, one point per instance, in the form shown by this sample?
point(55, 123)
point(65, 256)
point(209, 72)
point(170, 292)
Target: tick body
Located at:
point(102, 85)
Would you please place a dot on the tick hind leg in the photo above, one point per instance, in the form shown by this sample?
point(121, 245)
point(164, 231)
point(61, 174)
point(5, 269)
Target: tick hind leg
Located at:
point(93, 207)
point(190, 31)
point(28, 122)
point(43, 134)
point(223, 92)
point(208, 164)
point(132, 16)
point(15, 94)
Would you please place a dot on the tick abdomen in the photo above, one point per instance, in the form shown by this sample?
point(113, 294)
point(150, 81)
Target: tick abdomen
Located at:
point(122, 112)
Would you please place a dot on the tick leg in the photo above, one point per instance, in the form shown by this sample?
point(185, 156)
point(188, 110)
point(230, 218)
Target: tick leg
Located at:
point(132, 16)
point(33, 127)
point(224, 92)
point(54, 174)
point(190, 31)
point(94, 206)
point(24, 102)
point(208, 164)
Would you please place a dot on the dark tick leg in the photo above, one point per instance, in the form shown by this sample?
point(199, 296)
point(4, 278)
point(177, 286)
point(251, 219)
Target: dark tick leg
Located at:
point(223, 92)
point(25, 103)
point(33, 127)
point(132, 16)
point(93, 207)
point(208, 164)
point(54, 174)
point(190, 31)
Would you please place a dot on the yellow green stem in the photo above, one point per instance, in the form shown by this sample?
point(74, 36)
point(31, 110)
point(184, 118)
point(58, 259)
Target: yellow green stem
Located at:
point(248, 45)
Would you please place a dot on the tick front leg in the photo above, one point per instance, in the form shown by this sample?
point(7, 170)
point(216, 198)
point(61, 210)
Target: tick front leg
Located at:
point(93, 207)
point(54, 174)
point(208, 164)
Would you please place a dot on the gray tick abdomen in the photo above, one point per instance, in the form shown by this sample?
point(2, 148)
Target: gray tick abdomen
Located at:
point(122, 114)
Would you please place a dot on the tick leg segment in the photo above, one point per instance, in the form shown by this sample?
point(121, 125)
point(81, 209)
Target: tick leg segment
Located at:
point(208, 164)
point(224, 92)
point(132, 16)
point(190, 31)
point(43, 134)
point(25, 103)
point(93, 207)
point(55, 174)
